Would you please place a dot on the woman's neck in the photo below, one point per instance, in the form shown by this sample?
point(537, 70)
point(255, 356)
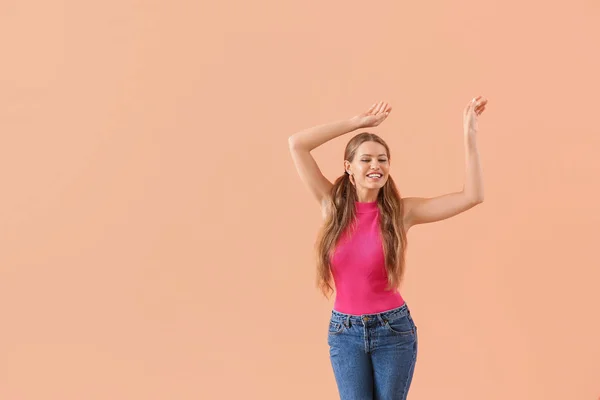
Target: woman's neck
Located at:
point(367, 195)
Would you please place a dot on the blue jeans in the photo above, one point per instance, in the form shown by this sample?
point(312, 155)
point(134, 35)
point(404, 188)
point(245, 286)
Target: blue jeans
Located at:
point(373, 356)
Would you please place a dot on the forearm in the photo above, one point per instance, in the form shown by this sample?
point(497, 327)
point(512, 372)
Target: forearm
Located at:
point(473, 187)
point(311, 138)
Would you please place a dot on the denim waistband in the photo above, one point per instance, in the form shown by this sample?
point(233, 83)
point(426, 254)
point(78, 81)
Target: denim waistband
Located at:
point(381, 317)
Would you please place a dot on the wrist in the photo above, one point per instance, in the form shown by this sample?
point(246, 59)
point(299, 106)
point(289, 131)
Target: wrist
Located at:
point(355, 123)
point(469, 132)
point(470, 138)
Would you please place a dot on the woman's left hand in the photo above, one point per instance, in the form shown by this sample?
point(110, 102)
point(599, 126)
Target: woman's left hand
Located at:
point(472, 111)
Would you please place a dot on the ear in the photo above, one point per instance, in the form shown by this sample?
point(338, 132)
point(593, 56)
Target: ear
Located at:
point(347, 167)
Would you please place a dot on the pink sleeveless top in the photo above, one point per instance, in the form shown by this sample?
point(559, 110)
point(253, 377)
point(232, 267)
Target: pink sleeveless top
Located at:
point(358, 267)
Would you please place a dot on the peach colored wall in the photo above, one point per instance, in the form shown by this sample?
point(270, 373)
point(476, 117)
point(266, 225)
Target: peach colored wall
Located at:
point(156, 242)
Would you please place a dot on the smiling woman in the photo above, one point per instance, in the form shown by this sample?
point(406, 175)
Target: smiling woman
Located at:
point(370, 164)
point(361, 246)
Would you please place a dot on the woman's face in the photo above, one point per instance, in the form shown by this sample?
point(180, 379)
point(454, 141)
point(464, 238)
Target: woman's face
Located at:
point(370, 166)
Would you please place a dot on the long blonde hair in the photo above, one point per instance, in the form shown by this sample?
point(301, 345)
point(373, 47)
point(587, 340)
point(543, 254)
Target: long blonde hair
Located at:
point(341, 214)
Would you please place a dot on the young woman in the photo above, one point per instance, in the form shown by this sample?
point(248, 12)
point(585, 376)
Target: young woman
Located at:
point(360, 250)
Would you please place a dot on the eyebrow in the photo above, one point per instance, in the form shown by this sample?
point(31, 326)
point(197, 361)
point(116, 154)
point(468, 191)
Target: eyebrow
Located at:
point(370, 155)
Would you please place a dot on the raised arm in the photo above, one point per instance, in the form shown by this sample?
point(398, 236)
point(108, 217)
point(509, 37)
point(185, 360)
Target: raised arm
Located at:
point(303, 142)
point(419, 210)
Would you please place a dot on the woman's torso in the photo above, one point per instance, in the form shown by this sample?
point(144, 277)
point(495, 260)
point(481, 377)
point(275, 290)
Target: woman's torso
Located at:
point(358, 267)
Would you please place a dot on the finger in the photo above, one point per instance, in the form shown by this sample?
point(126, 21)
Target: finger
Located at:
point(379, 107)
point(384, 108)
point(471, 105)
point(372, 108)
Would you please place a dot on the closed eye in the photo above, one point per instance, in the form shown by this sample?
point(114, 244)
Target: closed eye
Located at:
point(381, 161)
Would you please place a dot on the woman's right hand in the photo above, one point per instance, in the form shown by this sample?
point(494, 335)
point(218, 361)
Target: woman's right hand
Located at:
point(374, 115)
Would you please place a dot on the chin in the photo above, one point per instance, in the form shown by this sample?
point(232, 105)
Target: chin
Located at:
point(376, 185)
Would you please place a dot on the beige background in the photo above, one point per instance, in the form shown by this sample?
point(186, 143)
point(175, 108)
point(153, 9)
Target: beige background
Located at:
point(156, 242)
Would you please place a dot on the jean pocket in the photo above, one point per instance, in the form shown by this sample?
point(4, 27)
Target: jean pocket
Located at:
point(335, 327)
point(401, 326)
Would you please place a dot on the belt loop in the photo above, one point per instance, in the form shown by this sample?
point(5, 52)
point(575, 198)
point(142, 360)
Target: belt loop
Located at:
point(347, 322)
point(381, 319)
